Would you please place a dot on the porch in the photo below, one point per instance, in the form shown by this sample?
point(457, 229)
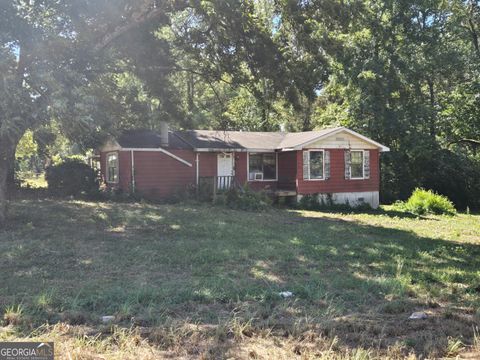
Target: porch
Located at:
point(211, 186)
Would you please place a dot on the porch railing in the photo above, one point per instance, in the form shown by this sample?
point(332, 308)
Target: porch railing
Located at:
point(210, 186)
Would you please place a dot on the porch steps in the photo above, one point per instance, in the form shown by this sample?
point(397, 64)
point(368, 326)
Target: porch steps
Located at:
point(282, 193)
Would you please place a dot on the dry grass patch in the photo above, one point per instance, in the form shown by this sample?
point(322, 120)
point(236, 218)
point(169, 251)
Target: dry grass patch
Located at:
point(196, 281)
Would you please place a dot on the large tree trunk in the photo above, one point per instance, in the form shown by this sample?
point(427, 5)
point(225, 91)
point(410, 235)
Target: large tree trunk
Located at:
point(3, 195)
point(432, 124)
point(11, 172)
point(8, 145)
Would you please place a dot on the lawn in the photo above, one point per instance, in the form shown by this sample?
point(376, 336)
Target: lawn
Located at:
point(197, 281)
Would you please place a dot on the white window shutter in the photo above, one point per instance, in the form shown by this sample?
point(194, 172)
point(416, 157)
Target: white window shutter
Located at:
point(348, 160)
point(306, 165)
point(366, 164)
point(327, 164)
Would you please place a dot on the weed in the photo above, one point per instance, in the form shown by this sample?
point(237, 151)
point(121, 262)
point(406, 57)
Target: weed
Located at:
point(13, 315)
point(454, 346)
point(423, 202)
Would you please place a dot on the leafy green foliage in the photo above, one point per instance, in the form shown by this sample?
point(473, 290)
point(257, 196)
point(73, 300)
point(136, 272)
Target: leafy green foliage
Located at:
point(71, 177)
point(406, 75)
point(245, 199)
point(309, 202)
point(423, 202)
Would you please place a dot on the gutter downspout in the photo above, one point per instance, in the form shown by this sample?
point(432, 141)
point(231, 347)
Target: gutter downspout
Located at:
point(197, 172)
point(132, 160)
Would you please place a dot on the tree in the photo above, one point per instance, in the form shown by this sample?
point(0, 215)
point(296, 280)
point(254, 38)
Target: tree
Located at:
point(57, 59)
point(51, 56)
point(404, 73)
point(23, 102)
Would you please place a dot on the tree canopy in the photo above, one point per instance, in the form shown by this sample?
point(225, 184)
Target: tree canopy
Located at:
point(406, 73)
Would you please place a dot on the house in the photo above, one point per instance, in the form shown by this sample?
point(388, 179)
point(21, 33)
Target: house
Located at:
point(335, 162)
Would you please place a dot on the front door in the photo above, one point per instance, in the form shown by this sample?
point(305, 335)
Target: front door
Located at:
point(224, 170)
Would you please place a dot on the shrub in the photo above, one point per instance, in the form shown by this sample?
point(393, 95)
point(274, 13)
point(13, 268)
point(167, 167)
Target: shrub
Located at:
point(182, 194)
point(245, 199)
point(309, 202)
point(446, 172)
point(427, 202)
point(71, 177)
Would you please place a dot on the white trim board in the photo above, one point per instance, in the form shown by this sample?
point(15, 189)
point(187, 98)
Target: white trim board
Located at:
point(233, 150)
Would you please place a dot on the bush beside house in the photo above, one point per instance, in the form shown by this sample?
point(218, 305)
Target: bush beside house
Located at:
point(423, 202)
point(72, 178)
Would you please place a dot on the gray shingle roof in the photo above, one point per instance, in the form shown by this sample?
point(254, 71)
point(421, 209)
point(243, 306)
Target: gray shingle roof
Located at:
point(149, 139)
point(226, 140)
point(214, 139)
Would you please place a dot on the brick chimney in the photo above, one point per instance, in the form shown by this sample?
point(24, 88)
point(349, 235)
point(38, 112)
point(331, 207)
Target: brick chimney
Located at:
point(163, 133)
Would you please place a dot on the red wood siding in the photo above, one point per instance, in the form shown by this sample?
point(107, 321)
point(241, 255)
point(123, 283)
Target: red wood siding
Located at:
point(125, 170)
point(287, 170)
point(207, 164)
point(337, 182)
point(159, 175)
point(241, 167)
point(156, 174)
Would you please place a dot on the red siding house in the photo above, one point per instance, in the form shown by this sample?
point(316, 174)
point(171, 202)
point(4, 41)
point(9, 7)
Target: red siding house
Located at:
point(337, 162)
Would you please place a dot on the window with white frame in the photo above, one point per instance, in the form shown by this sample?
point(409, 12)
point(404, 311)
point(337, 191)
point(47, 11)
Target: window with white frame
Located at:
point(262, 166)
point(356, 164)
point(316, 165)
point(112, 167)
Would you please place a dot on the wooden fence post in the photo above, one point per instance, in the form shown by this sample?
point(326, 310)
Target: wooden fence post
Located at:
point(214, 188)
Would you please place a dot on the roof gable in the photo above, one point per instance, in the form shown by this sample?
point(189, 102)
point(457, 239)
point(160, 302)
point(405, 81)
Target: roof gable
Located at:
point(343, 138)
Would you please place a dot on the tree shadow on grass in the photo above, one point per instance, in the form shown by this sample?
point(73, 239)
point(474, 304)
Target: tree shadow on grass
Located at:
point(150, 265)
point(401, 214)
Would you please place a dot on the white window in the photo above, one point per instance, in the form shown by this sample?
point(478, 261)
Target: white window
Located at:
point(112, 168)
point(356, 164)
point(316, 165)
point(262, 166)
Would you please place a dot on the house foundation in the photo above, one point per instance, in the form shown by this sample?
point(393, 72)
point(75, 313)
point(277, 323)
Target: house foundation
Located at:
point(353, 199)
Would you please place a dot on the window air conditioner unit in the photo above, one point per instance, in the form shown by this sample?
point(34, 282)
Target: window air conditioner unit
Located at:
point(258, 176)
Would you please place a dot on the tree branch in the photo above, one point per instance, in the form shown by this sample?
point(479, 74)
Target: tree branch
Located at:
point(147, 11)
point(472, 28)
point(465, 141)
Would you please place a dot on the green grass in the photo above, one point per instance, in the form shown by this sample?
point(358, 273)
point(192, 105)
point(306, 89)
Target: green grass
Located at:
point(203, 281)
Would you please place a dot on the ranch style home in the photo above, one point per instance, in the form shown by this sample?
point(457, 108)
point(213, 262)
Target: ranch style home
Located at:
point(336, 162)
